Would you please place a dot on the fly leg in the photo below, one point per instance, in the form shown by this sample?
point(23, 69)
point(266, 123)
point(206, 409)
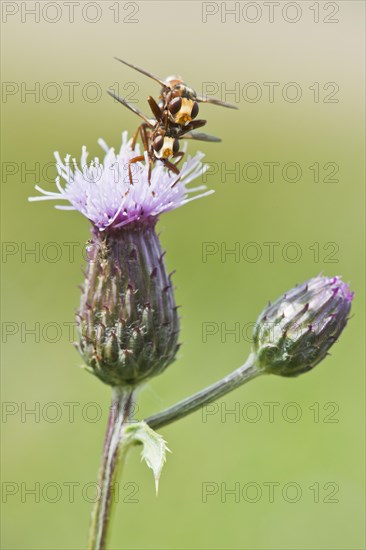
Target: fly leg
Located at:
point(145, 141)
point(171, 167)
point(157, 112)
point(151, 162)
point(178, 156)
point(140, 158)
point(144, 137)
point(134, 139)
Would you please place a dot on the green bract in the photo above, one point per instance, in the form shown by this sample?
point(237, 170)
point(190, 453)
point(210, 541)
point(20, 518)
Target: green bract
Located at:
point(128, 321)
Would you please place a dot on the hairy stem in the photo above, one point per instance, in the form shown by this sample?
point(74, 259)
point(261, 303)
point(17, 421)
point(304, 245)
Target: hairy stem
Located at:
point(243, 374)
point(120, 412)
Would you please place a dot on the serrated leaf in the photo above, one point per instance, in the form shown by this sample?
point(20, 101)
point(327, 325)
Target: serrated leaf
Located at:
point(154, 447)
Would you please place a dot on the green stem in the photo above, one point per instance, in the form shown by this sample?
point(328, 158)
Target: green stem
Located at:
point(114, 450)
point(120, 412)
point(240, 376)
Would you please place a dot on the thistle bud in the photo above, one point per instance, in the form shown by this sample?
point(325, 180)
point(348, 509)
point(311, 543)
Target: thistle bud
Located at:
point(294, 334)
point(128, 321)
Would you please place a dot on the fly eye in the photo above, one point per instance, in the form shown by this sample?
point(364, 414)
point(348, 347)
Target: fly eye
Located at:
point(175, 146)
point(195, 110)
point(175, 105)
point(158, 143)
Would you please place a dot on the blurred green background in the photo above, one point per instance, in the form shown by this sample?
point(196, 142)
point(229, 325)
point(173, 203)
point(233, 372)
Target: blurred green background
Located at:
point(321, 455)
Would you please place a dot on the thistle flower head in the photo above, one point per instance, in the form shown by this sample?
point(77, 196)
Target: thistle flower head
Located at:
point(294, 334)
point(128, 320)
point(103, 192)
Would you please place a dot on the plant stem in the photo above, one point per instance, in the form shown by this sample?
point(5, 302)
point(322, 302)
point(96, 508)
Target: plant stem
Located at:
point(114, 451)
point(119, 415)
point(243, 374)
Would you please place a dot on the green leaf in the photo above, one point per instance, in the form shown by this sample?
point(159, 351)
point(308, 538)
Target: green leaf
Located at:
point(154, 447)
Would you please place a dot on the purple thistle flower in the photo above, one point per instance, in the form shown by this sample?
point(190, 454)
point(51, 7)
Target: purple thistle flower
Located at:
point(128, 321)
point(294, 334)
point(103, 193)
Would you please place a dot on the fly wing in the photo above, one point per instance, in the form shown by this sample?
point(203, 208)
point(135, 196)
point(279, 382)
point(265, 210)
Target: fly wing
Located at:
point(215, 101)
point(201, 137)
point(142, 71)
point(131, 108)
